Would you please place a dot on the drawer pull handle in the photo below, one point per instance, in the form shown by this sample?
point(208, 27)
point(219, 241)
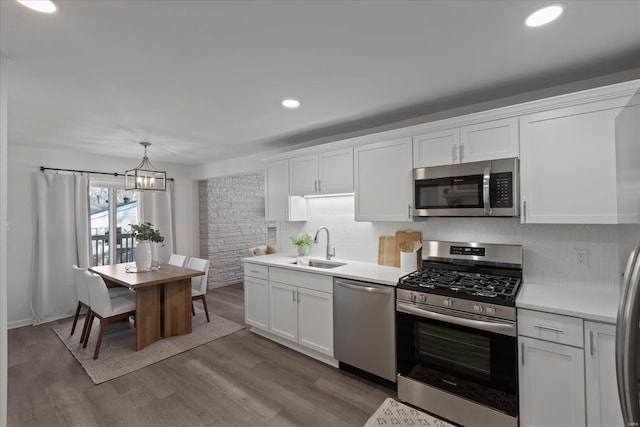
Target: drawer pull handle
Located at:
point(255, 271)
point(450, 383)
point(549, 328)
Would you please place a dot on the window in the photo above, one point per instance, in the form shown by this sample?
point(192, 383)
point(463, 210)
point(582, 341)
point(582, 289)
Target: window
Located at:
point(107, 247)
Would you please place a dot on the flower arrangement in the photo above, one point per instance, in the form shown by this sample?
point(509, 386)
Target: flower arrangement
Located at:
point(145, 231)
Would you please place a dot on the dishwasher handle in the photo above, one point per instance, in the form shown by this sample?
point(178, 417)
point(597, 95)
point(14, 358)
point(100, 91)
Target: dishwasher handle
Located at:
point(356, 286)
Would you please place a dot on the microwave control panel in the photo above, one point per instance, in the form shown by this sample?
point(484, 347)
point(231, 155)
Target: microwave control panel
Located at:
point(501, 186)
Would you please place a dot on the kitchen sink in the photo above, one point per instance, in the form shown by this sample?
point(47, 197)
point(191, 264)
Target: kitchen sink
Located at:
point(318, 263)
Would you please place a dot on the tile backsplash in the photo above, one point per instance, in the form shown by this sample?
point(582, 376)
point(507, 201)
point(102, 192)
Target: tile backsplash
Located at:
point(549, 249)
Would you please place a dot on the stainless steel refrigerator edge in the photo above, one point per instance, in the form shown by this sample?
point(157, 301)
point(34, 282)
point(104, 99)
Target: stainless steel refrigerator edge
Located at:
point(627, 340)
point(364, 326)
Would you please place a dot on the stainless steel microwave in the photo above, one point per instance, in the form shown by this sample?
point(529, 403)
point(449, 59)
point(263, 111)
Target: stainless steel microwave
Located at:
point(489, 188)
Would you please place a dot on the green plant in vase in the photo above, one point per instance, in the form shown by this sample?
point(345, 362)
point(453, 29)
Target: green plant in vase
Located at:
point(145, 234)
point(303, 243)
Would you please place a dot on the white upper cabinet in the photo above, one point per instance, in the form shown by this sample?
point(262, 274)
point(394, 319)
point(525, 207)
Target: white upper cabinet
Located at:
point(324, 173)
point(579, 164)
point(383, 181)
point(278, 205)
point(491, 140)
point(436, 148)
point(497, 139)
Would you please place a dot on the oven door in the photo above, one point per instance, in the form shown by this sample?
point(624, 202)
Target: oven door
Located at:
point(468, 356)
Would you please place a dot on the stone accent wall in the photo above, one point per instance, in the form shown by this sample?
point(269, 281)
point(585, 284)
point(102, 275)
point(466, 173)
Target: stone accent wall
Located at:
point(232, 221)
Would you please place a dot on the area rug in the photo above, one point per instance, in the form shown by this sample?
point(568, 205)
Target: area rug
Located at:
point(394, 413)
point(117, 354)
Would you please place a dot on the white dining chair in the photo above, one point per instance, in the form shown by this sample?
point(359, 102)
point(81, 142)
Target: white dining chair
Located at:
point(105, 308)
point(199, 284)
point(177, 260)
point(83, 298)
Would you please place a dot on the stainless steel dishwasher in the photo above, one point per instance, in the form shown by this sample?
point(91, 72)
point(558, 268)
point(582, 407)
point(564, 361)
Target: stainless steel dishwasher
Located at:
point(364, 327)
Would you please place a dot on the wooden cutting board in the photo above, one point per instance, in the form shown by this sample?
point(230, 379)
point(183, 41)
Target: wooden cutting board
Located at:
point(404, 238)
point(387, 250)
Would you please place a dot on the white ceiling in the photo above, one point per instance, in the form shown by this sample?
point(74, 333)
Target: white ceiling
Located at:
point(203, 80)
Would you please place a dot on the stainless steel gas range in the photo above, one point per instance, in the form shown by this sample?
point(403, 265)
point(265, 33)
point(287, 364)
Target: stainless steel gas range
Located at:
point(456, 333)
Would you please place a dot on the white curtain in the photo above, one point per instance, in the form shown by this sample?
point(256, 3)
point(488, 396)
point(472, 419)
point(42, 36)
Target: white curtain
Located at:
point(62, 240)
point(156, 207)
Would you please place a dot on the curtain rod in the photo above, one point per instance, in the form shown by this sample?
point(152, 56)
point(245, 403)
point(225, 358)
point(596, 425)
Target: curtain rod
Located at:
point(42, 169)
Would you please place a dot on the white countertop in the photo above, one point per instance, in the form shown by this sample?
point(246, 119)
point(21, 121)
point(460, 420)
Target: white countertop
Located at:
point(589, 304)
point(357, 270)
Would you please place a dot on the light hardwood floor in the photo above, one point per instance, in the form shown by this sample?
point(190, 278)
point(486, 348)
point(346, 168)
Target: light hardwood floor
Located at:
point(239, 380)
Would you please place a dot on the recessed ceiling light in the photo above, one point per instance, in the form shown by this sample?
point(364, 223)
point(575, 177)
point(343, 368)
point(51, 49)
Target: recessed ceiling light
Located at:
point(44, 6)
point(544, 16)
point(291, 103)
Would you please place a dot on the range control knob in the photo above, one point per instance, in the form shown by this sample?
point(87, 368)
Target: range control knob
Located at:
point(491, 310)
point(478, 308)
point(423, 299)
point(447, 302)
point(412, 297)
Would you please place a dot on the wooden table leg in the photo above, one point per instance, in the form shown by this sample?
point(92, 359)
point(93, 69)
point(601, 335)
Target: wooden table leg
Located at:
point(177, 308)
point(147, 316)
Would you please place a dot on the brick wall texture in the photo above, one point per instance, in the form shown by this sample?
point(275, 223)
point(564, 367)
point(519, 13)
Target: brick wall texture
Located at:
point(232, 221)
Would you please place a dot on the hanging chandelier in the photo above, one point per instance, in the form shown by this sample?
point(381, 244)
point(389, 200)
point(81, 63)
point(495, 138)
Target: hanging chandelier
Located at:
point(145, 177)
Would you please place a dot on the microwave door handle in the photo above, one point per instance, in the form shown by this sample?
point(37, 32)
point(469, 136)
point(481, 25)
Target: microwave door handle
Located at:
point(486, 179)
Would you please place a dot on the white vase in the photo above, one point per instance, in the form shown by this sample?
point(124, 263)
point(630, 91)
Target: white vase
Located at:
point(303, 255)
point(143, 255)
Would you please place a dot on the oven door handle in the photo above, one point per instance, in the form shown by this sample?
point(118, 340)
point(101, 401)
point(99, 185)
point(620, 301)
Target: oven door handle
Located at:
point(495, 327)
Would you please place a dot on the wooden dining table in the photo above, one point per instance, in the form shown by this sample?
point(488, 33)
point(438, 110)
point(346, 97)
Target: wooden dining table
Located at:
point(163, 298)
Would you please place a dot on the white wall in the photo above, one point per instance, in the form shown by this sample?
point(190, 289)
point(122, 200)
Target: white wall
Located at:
point(24, 164)
point(4, 76)
point(549, 250)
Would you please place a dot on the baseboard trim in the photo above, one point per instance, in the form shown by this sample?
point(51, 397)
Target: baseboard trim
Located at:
point(19, 323)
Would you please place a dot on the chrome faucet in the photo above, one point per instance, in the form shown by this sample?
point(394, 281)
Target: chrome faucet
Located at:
point(330, 252)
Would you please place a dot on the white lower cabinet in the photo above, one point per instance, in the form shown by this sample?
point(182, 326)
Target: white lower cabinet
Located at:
point(551, 370)
point(301, 308)
point(256, 306)
point(256, 295)
point(283, 310)
point(567, 371)
point(551, 384)
point(603, 404)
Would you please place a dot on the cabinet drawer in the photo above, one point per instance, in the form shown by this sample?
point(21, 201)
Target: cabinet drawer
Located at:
point(256, 270)
point(316, 282)
point(551, 327)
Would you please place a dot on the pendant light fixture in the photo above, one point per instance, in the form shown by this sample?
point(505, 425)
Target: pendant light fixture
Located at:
point(145, 177)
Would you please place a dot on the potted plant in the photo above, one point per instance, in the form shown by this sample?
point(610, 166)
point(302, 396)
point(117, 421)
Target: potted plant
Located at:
point(145, 234)
point(303, 243)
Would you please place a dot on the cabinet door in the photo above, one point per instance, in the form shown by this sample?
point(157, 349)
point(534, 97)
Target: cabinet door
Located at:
point(276, 190)
point(603, 404)
point(551, 384)
point(335, 172)
point(497, 139)
point(383, 179)
point(436, 148)
point(256, 302)
point(283, 310)
point(303, 175)
point(315, 320)
point(568, 164)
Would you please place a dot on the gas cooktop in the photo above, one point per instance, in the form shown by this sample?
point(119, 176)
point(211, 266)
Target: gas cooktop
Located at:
point(472, 271)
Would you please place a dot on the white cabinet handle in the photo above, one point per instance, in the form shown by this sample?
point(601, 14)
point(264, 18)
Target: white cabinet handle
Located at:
point(461, 152)
point(454, 154)
point(315, 185)
point(549, 328)
point(522, 352)
point(319, 188)
point(591, 350)
point(293, 295)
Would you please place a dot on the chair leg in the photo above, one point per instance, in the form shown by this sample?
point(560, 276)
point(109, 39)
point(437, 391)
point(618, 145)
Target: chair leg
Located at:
point(83, 336)
point(103, 326)
point(86, 338)
point(206, 310)
point(75, 318)
point(193, 310)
